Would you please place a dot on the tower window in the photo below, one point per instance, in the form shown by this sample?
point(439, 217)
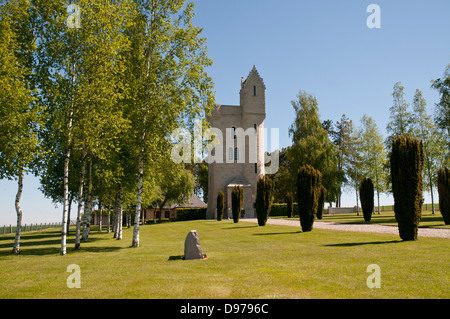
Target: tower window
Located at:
point(236, 153)
point(254, 90)
point(255, 127)
point(256, 168)
point(233, 133)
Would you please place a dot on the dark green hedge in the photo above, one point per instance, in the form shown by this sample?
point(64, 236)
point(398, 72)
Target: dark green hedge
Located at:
point(264, 191)
point(190, 214)
point(406, 173)
point(322, 196)
point(152, 221)
point(237, 197)
point(444, 193)
point(366, 193)
point(220, 205)
point(309, 183)
point(281, 210)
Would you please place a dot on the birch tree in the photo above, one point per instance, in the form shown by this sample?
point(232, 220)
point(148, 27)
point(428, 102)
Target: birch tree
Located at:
point(81, 81)
point(433, 143)
point(19, 112)
point(442, 85)
point(312, 146)
point(57, 61)
point(400, 119)
point(342, 136)
point(167, 80)
point(373, 155)
point(354, 165)
point(177, 187)
point(442, 109)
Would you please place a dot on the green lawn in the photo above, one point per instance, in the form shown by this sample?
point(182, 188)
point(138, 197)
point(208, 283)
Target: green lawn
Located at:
point(244, 261)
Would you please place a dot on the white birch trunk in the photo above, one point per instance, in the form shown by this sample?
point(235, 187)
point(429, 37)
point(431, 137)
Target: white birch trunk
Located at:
point(140, 186)
point(88, 207)
point(16, 246)
point(66, 186)
point(115, 218)
point(80, 199)
point(109, 217)
point(432, 200)
point(101, 215)
point(357, 200)
point(135, 242)
point(120, 213)
point(66, 167)
point(66, 199)
point(378, 196)
point(68, 214)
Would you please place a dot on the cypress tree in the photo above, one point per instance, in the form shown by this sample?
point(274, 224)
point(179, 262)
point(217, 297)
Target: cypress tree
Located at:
point(220, 205)
point(308, 189)
point(444, 193)
point(290, 204)
point(264, 192)
point(366, 193)
point(322, 196)
point(237, 196)
point(406, 173)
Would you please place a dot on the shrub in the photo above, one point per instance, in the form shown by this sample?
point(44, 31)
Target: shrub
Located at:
point(444, 193)
point(184, 214)
point(308, 189)
point(406, 174)
point(237, 196)
point(290, 204)
point(366, 194)
point(220, 205)
point(278, 209)
point(264, 192)
point(322, 196)
point(152, 221)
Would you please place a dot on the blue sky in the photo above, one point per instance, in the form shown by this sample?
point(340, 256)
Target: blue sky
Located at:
point(322, 47)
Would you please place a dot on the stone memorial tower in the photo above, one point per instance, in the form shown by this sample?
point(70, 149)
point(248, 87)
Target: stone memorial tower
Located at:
point(242, 146)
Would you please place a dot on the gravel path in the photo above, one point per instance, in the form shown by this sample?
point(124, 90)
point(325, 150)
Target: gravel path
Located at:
point(370, 228)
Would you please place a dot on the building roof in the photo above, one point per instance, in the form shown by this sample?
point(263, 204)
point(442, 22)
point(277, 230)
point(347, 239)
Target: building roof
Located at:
point(194, 202)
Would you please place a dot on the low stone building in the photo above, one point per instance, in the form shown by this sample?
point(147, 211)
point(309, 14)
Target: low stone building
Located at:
point(168, 211)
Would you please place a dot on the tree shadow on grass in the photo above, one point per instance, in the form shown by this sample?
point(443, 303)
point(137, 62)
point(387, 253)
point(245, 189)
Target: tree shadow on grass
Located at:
point(173, 258)
point(279, 233)
point(42, 251)
point(364, 243)
point(36, 240)
point(32, 235)
point(238, 227)
point(40, 244)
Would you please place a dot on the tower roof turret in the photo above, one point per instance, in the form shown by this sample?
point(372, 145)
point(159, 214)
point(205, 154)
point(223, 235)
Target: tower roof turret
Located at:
point(253, 73)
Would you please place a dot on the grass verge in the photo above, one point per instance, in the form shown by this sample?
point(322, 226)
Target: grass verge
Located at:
point(244, 261)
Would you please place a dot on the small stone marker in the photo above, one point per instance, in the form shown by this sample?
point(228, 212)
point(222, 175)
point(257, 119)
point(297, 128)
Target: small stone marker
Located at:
point(192, 249)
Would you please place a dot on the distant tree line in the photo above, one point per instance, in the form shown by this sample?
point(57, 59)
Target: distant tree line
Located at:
point(345, 154)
